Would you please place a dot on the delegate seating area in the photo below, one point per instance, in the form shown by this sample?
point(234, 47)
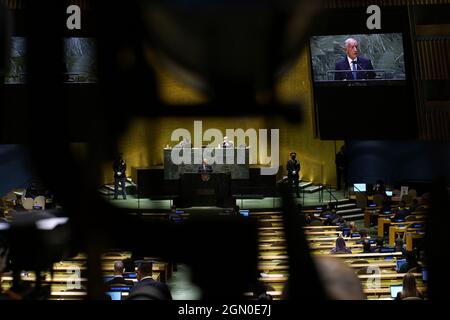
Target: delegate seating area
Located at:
point(377, 265)
point(69, 281)
point(376, 270)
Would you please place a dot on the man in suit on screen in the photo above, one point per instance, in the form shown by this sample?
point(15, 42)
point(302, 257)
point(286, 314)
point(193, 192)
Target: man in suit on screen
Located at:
point(354, 63)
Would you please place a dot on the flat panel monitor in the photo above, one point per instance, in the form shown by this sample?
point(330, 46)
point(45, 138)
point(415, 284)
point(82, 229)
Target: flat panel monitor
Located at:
point(244, 213)
point(115, 295)
point(346, 232)
point(395, 290)
point(399, 264)
point(359, 187)
point(355, 58)
point(425, 275)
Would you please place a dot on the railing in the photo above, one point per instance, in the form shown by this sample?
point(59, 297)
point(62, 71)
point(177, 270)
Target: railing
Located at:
point(326, 188)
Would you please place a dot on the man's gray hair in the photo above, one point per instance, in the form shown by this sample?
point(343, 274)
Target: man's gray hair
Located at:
point(118, 266)
point(348, 40)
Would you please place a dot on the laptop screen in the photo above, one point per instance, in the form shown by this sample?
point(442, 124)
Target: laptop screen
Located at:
point(115, 295)
point(424, 274)
point(395, 290)
point(400, 263)
point(346, 232)
point(244, 213)
point(359, 187)
point(387, 250)
point(119, 288)
point(131, 275)
point(389, 193)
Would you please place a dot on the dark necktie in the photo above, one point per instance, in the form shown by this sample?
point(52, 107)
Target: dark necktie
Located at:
point(354, 68)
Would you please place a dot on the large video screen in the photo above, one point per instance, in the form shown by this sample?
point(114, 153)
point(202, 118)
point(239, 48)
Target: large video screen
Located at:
point(80, 62)
point(358, 58)
point(17, 68)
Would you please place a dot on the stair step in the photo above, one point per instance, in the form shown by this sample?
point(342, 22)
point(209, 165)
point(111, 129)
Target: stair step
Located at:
point(346, 205)
point(304, 184)
point(349, 210)
point(312, 189)
point(354, 216)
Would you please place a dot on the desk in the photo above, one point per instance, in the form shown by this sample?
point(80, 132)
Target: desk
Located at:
point(228, 158)
point(382, 221)
point(213, 189)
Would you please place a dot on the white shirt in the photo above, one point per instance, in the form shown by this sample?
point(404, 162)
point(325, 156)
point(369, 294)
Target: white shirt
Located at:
point(350, 63)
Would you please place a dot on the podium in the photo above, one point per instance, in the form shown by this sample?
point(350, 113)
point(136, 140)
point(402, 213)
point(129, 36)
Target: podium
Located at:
point(212, 189)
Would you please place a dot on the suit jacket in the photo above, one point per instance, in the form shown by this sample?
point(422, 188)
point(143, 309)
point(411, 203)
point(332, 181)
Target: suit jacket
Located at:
point(362, 64)
point(293, 166)
point(148, 282)
point(120, 168)
point(207, 169)
point(119, 281)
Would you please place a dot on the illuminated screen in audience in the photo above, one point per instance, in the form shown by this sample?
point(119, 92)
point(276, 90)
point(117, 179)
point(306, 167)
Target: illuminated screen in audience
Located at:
point(424, 275)
point(377, 57)
point(395, 290)
point(359, 187)
point(131, 275)
point(389, 193)
point(244, 213)
point(115, 295)
point(400, 263)
point(119, 289)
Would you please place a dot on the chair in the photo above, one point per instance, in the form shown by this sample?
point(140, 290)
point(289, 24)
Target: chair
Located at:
point(27, 203)
point(361, 200)
point(39, 201)
point(378, 199)
point(412, 298)
point(412, 193)
point(407, 198)
point(363, 271)
point(359, 262)
point(316, 223)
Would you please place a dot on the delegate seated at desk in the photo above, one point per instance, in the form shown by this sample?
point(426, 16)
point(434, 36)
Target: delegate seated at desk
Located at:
point(205, 167)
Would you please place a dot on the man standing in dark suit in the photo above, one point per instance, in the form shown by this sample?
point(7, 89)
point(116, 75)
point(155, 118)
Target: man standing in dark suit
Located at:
point(118, 278)
point(341, 168)
point(205, 168)
point(354, 63)
point(147, 288)
point(120, 168)
point(293, 169)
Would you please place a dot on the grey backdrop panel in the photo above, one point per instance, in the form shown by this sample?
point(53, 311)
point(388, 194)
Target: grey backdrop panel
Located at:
point(229, 163)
